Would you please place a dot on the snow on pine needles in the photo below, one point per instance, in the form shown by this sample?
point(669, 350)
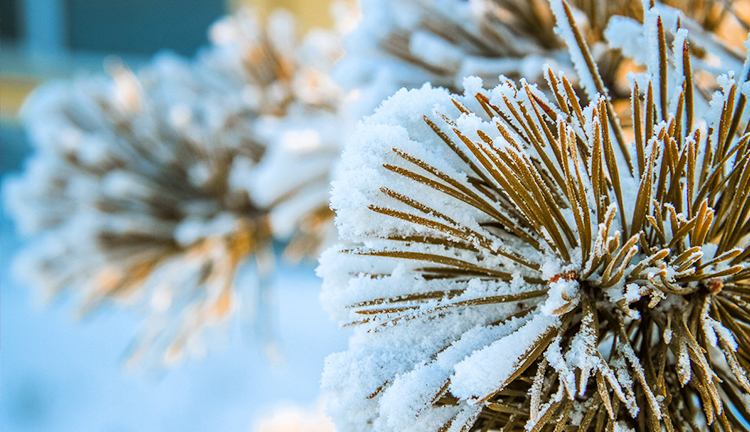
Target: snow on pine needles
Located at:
point(515, 264)
point(406, 43)
point(142, 187)
point(411, 42)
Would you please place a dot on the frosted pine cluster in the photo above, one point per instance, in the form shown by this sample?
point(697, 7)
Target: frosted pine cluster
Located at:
point(545, 229)
point(407, 43)
point(410, 42)
point(516, 263)
point(144, 186)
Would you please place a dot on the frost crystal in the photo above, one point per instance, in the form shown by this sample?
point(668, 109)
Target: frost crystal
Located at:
point(144, 188)
point(514, 261)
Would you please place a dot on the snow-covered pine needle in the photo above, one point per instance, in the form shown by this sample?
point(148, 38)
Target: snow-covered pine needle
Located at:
point(512, 272)
point(138, 189)
point(716, 31)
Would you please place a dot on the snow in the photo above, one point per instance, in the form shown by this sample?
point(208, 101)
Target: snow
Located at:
point(412, 393)
point(440, 298)
point(715, 331)
point(621, 427)
point(565, 31)
point(487, 370)
point(359, 379)
point(562, 295)
point(293, 177)
point(627, 35)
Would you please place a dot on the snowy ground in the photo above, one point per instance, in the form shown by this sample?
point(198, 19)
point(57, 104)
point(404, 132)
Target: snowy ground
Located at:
point(59, 374)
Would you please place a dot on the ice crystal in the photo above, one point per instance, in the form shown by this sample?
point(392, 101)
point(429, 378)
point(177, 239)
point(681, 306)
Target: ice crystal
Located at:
point(518, 265)
point(158, 187)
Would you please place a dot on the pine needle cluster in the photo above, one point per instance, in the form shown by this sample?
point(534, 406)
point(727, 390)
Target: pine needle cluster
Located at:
point(142, 188)
point(407, 43)
point(519, 265)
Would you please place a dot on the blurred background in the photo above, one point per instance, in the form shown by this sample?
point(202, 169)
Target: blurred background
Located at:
point(58, 373)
